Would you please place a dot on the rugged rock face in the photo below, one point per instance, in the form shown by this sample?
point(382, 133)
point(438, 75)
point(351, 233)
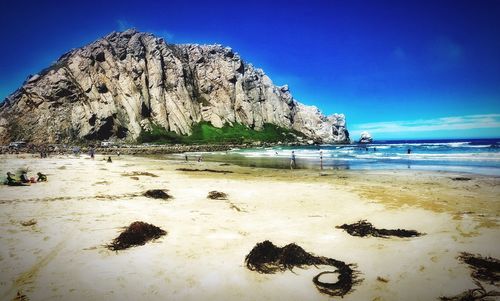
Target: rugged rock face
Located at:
point(123, 83)
point(365, 137)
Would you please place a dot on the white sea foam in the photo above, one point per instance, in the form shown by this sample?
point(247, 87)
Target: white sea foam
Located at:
point(456, 156)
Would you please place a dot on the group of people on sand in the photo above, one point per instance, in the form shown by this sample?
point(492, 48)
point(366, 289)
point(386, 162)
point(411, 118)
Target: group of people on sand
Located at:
point(199, 159)
point(24, 179)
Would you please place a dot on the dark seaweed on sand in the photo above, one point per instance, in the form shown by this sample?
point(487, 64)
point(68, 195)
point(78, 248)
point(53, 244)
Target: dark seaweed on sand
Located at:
point(157, 194)
point(478, 293)
point(267, 258)
point(205, 170)
point(483, 268)
point(137, 234)
point(217, 195)
point(20, 297)
point(139, 173)
point(364, 228)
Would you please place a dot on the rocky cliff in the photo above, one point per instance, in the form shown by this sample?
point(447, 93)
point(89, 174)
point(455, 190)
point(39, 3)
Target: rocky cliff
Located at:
point(121, 84)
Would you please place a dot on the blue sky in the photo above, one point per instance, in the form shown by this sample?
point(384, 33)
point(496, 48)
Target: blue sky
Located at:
point(400, 69)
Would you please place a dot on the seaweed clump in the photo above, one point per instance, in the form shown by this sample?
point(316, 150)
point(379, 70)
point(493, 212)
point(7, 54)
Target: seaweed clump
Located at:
point(363, 228)
point(20, 297)
point(267, 258)
point(483, 268)
point(157, 194)
point(136, 234)
point(479, 293)
point(139, 173)
point(203, 170)
point(217, 195)
point(28, 223)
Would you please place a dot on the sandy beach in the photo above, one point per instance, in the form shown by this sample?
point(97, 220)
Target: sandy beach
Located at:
point(86, 203)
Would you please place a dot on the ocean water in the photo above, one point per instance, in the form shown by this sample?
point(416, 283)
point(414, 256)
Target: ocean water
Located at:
point(481, 156)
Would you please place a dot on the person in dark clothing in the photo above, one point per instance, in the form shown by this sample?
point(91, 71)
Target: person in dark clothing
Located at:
point(109, 160)
point(408, 151)
point(292, 161)
point(321, 159)
point(41, 177)
point(11, 180)
point(24, 177)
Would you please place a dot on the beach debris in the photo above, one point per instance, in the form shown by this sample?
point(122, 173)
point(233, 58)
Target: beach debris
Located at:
point(20, 297)
point(478, 293)
point(135, 178)
point(205, 170)
point(157, 194)
point(461, 179)
point(28, 223)
point(139, 173)
point(363, 228)
point(136, 234)
point(233, 206)
point(483, 268)
point(102, 183)
point(267, 258)
point(382, 279)
point(217, 195)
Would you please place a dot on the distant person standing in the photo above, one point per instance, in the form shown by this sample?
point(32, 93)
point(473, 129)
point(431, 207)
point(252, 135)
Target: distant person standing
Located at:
point(321, 159)
point(408, 151)
point(91, 153)
point(186, 157)
point(293, 164)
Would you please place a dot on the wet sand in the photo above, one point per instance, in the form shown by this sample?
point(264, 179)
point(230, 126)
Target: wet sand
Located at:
point(86, 203)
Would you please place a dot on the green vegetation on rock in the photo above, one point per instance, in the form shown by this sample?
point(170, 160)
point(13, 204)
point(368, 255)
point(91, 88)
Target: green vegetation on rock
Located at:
point(206, 133)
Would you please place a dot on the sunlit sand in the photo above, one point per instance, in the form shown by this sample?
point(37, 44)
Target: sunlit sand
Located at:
point(62, 255)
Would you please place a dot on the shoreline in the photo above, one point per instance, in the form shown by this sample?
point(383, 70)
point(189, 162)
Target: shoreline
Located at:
point(87, 202)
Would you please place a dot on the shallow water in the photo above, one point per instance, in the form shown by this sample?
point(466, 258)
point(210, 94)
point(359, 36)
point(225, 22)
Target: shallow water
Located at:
point(472, 156)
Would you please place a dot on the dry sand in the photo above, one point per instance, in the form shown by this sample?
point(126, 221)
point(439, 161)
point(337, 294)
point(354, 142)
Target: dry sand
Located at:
point(86, 203)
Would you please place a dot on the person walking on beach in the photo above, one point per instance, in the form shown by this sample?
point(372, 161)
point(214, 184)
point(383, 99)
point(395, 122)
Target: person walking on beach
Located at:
point(321, 159)
point(91, 152)
point(292, 161)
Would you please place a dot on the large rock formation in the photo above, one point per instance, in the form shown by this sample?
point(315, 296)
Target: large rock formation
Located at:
point(121, 84)
point(365, 137)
